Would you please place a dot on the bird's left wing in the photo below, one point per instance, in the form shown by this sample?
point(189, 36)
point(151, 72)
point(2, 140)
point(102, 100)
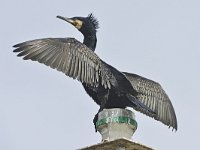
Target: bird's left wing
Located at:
point(152, 95)
point(67, 55)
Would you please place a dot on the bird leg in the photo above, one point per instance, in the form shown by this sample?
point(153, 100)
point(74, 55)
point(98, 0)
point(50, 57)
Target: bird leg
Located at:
point(103, 97)
point(95, 121)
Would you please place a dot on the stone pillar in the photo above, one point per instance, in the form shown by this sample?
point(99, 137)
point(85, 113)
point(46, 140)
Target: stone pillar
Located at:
point(116, 127)
point(116, 123)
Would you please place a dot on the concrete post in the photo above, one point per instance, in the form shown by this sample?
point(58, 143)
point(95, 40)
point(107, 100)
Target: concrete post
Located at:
point(116, 123)
point(116, 127)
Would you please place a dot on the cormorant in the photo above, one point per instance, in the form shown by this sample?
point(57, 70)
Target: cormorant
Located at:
point(108, 87)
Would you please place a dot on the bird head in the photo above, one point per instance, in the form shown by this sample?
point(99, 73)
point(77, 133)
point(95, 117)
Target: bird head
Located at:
point(86, 25)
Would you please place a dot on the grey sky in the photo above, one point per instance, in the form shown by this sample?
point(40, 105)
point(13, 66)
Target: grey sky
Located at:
point(41, 108)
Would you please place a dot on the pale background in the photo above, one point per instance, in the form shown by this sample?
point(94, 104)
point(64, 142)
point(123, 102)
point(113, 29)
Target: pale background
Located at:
point(42, 109)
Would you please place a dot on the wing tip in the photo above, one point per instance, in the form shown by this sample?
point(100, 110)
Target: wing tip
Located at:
point(17, 49)
point(17, 45)
point(174, 128)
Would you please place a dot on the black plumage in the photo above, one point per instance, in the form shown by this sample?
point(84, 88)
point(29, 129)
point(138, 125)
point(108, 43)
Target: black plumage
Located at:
point(108, 87)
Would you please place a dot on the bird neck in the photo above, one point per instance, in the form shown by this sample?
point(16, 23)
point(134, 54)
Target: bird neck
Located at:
point(90, 41)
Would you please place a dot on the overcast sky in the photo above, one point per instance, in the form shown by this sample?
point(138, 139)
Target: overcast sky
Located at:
point(43, 109)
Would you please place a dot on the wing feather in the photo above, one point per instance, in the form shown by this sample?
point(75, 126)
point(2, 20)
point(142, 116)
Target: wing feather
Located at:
point(152, 95)
point(67, 55)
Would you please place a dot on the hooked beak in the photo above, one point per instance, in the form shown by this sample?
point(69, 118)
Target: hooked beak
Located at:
point(66, 19)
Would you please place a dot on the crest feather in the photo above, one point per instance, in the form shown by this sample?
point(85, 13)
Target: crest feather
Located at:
point(93, 20)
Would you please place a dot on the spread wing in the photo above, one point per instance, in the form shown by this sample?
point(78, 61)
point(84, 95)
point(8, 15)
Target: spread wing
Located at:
point(153, 96)
point(67, 55)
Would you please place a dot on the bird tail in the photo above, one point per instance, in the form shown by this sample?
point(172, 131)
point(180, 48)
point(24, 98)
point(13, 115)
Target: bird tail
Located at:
point(139, 106)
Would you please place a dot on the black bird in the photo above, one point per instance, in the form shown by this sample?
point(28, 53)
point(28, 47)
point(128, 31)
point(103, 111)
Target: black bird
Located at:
point(109, 87)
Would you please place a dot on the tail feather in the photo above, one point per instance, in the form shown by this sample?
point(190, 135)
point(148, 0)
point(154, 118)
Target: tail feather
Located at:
point(139, 106)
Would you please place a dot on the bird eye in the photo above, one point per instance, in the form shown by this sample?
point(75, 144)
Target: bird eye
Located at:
point(78, 23)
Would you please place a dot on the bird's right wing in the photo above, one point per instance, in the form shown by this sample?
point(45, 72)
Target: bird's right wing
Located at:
point(67, 55)
point(152, 95)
